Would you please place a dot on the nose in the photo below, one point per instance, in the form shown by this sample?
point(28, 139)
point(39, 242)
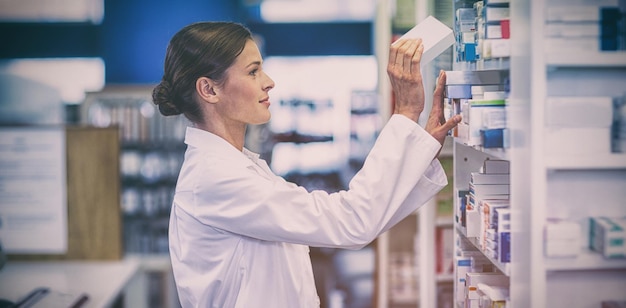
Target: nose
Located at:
point(269, 83)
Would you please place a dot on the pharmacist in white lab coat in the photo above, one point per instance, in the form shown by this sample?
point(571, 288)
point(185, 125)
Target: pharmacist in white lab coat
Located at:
point(239, 235)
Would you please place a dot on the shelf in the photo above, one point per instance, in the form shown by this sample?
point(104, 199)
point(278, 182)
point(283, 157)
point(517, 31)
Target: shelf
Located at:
point(503, 267)
point(587, 260)
point(498, 153)
point(497, 64)
point(587, 59)
point(607, 161)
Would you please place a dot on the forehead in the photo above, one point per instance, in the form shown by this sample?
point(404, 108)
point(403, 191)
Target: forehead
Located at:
point(248, 55)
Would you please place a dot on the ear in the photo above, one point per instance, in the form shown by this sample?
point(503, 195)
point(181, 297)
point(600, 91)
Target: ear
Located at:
point(205, 87)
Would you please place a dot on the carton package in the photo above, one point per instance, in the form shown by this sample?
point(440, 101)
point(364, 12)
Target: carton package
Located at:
point(608, 236)
point(435, 35)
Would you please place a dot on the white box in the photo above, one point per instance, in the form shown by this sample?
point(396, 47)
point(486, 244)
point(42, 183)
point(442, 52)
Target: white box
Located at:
point(562, 230)
point(435, 35)
point(571, 44)
point(495, 13)
point(558, 248)
point(494, 95)
point(468, 37)
point(484, 178)
point(474, 117)
point(490, 278)
point(496, 48)
point(577, 13)
point(472, 223)
point(462, 133)
point(579, 111)
point(496, 166)
point(572, 141)
point(478, 92)
point(493, 31)
point(494, 118)
point(463, 265)
point(572, 29)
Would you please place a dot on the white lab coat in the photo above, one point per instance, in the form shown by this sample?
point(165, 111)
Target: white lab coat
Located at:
point(239, 235)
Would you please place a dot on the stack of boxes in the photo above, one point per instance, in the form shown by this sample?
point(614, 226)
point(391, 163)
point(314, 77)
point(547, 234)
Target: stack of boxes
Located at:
point(562, 239)
point(483, 31)
point(572, 121)
point(480, 97)
point(486, 221)
point(595, 26)
point(477, 282)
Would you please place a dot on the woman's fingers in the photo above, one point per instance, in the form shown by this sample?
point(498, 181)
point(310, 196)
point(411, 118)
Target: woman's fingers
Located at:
point(438, 97)
point(405, 76)
point(404, 57)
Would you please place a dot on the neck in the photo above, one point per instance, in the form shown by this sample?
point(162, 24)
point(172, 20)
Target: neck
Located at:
point(233, 134)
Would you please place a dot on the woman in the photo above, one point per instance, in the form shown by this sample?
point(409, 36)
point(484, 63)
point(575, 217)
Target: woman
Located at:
point(239, 235)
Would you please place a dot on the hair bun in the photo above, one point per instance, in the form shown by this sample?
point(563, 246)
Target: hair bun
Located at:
point(162, 96)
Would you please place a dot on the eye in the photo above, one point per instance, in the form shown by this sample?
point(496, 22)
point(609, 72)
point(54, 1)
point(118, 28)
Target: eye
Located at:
point(254, 72)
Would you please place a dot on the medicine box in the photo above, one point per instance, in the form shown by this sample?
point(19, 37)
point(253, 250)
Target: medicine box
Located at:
point(573, 13)
point(562, 230)
point(435, 35)
point(466, 19)
point(608, 236)
point(485, 178)
point(489, 77)
point(492, 138)
point(572, 141)
point(579, 111)
point(490, 278)
point(572, 29)
point(571, 44)
point(504, 247)
point(496, 48)
point(496, 13)
point(562, 248)
point(562, 238)
point(478, 92)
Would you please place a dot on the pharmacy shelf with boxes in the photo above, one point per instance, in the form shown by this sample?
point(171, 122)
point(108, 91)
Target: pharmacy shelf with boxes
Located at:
point(540, 156)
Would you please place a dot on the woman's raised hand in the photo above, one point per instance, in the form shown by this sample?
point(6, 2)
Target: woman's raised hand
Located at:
point(405, 75)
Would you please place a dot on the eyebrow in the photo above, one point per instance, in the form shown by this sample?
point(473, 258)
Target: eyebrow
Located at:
point(253, 63)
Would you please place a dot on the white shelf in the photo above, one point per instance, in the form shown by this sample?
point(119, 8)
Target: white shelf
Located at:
point(587, 59)
point(503, 267)
point(102, 281)
point(586, 260)
point(498, 153)
point(607, 161)
point(536, 192)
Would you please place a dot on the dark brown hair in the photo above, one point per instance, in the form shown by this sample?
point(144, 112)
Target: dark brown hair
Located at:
point(204, 49)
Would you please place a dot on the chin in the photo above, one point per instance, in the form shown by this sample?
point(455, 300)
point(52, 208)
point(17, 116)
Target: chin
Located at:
point(262, 120)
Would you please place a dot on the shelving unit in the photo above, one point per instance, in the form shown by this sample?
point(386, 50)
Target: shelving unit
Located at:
point(545, 186)
point(151, 154)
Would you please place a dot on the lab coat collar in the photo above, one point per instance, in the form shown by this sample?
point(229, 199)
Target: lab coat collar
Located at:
point(215, 145)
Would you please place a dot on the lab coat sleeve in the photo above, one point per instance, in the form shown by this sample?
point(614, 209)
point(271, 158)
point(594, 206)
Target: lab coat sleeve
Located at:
point(398, 176)
point(432, 182)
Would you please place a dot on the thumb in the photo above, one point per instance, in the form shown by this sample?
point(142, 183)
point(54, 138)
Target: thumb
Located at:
point(452, 122)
